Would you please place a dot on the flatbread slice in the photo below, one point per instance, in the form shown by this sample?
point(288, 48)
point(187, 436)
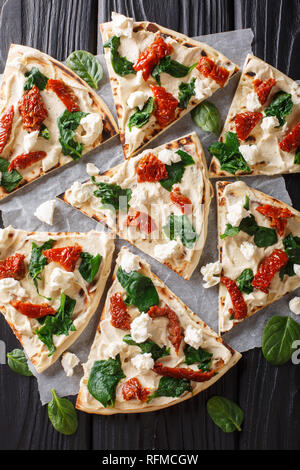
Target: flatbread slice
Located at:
point(48, 117)
point(167, 214)
point(259, 248)
point(171, 77)
point(50, 287)
point(261, 135)
point(153, 352)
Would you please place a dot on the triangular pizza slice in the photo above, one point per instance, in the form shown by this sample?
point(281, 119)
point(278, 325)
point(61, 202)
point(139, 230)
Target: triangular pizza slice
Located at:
point(50, 287)
point(48, 117)
point(158, 200)
point(157, 76)
point(261, 134)
point(150, 350)
point(259, 246)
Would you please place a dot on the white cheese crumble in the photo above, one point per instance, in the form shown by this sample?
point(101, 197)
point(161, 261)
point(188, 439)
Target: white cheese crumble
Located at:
point(140, 328)
point(137, 99)
point(52, 158)
point(252, 103)
point(134, 137)
point(10, 288)
point(167, 250)
point(92, 169)
point(297, 269)
point(143, 362)
point(169, 40)
point(68, 362)
point(211, 273)
point(269, 124)
point(129, 262)
point(247, 250)
point(167, 156)
point(202, 88)
point(112, 349)
point(45, 211)
point(122, 26)
point(90, 128)
point(236, 212)
point(249, 153)
point(139, 80)
point(193, 336)
point(79, 193)
point(142, 194)
point(61, 279)
point(30, 140)
point(294, 305)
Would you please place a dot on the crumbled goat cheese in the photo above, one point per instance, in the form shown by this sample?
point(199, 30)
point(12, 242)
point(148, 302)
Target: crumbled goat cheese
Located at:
point(122, 26)
point(168, 157)
point(137, 99)
point(249, 153)
point(92, 169)
point(129, 262)
point(193, 336)
point(294, 305)
point(143, 362)
point(210, 272)
point(247, 250)
point(45, 211)
point(140, 328)
point(69, 361)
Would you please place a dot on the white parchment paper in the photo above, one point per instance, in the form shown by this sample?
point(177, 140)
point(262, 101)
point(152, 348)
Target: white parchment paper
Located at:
point(18, 211)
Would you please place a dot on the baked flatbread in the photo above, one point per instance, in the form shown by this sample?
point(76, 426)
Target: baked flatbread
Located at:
point(145, 362)
point(140, 119)
point(68, 119)
point(262, 126)
point(49, 294)
point(259, 250)
point(165, 219)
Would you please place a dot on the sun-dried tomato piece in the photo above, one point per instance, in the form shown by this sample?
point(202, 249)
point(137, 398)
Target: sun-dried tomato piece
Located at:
point(33, 310)
point(166, 105)
point(183, 373)
point(32, 109)
point(151, 56)
point(26, 159)
point(120, 317)
point(13, 266)
point(292, 140)
point(6, 121)
point(268, 268)
point(174, 328)
point(239, 305)
point(210, 69)
point(245, 122)
point(151, 169)
point(181, 201)
point(133, 390)
point(263, 88)
point(277, 215)
point(66, 256)
point(64, 93)
point(142, 221)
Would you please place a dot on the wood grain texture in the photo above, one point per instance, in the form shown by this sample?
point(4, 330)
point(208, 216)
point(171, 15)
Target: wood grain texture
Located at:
point(269, 396)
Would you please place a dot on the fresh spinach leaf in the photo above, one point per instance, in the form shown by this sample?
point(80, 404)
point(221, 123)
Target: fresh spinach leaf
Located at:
point(9, 180)
point(247, 203)
point(89, 266)
point(297, 156)
point(172, 67)
point(67, 125)
point(292, 248)
point(193, 356)
point(35, 77)
point(170, 387)
point(148, 347)
point(179, 226)
point(140, 289)
point(141, 116)
point(228, 154)
point(176, 170)
point(225, 413)
point(62, 415)
point(280, 106)
point(38, 261)
point(58, 324)
point(278, 337)
point(248, 225)
point(103, 380)
point(265, 236)
point(17, 361)
point(230, 231)
point(206, 115)
point(186, 91)
point(121, 65)
point(244, 281)
point(110, 195)
point(86, 66)
point(44, 132)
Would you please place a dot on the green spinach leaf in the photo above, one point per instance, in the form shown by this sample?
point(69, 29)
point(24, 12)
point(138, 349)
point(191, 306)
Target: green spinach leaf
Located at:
point(62, 415)
point(35, 77)
point(193, 356)
point(170, 387)
point(244, 281)
point(9, 180)
point(230, 231)
point(121, 65)
point(103, 380)
point(176, 170)
point(278, 337)
point(292, 248)
point(89, 266)
point(172, 67)
point(247, 203)
point(179, 226)
point(110, 195)
point(86, 66)
point(140, 289)
point(206, 115)
point(265, 236)
point(148, 347)
point(17, 361)
point(141, 116)
point(38, 261)
point(228, 154)
point(67, 125)
point(44, 132)
point(225, 413)
point(280, 106)
point(186, 91)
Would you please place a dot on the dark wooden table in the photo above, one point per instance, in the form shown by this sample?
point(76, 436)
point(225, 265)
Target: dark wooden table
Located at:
point(269, 396)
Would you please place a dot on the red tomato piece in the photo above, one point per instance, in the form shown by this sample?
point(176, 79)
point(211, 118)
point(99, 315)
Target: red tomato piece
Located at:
point(33, 310)
point(140, 220)
point(151, 169)
point(292, 140)
point(181, 201)
point(245, 122)
point(13, 266)
point(151, 56)
point(263, 88)
point(6, 121)
point(66, 256)
point(32, 109)
point(239, 310)
point(174, 328)
point(183, 373)
point(133, 390)
point(166, 105)
point(209, 68)
point(268, 268)
point(120, 317)
point(64, 93)
point(277, 215)
point(26, 159)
